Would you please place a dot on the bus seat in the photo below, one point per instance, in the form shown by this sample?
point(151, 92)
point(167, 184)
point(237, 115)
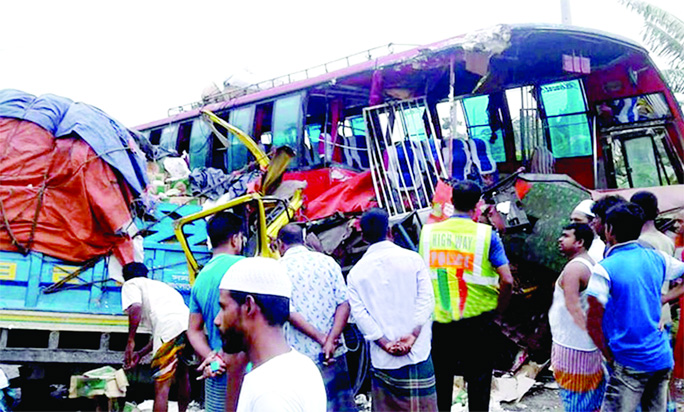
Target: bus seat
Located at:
point(397, 159)
point(542, 161)
point(355, 152)
point(461, 161)
point(482, 156)
point(431, 147)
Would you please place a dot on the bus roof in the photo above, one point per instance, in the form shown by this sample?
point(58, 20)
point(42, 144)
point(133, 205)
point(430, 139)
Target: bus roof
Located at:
point(527, 49)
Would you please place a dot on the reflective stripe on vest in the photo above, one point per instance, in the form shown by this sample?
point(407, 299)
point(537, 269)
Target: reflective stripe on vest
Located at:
point(457, 253)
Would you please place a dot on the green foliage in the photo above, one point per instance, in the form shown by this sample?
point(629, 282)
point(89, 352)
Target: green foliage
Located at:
point(663, 33)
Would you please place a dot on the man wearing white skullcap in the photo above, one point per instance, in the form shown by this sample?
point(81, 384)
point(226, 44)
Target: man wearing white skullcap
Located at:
point(254, 305)
point(583, 214)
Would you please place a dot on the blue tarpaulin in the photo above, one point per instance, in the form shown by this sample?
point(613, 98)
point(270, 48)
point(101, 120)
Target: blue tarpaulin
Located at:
point(111, 140)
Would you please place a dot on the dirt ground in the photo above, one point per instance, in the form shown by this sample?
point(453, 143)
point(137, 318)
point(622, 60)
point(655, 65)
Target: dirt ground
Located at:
point(544, 397)
point(539, 398)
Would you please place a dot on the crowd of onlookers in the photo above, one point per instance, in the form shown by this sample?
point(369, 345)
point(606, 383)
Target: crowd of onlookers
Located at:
point(268, 333)
point(611, 316)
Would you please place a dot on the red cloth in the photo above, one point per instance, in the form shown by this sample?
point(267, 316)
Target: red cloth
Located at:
point(350, 196)
point(319, 181)
point(83, 205)
point(442, 209)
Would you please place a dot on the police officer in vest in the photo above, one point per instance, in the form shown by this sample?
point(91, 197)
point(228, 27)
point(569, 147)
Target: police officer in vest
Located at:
point(472, 280)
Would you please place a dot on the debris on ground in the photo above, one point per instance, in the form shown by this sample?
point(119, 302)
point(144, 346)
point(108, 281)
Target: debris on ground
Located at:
point(106, 381)
point(542, 396)
point(512, 387)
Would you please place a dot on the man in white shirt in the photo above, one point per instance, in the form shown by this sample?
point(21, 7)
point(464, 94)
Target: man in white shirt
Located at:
point(161, 308)
point(583, 214)
point(392, 300)
point(255, 304)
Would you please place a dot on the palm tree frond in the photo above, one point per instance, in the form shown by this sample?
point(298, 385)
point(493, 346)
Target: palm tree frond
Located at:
point(664, 44)
point(657, 16)
point(675, 79)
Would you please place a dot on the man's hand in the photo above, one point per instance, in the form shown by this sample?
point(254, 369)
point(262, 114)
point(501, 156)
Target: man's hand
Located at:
point(133, 362)
point(328, 349)
point(403, 345)
point(385, 344)
point(212, 366)
point(131, 357)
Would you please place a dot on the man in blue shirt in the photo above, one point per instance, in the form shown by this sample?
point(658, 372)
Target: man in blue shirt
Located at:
point(227, 239)
point(624, 314)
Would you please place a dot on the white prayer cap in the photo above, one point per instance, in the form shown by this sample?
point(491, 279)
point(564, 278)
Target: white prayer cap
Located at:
point(258, 275)
point(585, 207)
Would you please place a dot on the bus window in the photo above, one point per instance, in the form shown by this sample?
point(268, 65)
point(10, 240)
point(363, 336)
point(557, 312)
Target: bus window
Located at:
point(239, 155)
point(406, 123)
point(477, 114)
point(566, 119)
point(169, 136)
point(155, 136)
point(451, 120)
point(287, 113)
point(666, 155)
point(317, 146)
point(415, 125)
point(358, 125)
point(200, 139)
point(352, 133)
point(641, 161)
point(183, 144)
point(263, 119)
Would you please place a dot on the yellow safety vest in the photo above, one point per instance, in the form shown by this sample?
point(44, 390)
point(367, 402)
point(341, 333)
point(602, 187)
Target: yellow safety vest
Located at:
point(465, 282)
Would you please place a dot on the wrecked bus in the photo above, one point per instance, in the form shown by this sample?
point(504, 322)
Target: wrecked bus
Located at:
point(543, 116)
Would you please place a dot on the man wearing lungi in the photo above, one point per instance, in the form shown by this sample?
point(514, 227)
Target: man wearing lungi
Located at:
point(161, 308)
point(225, 231)
point(391, 300)
point(575, 359)
point(624, 314)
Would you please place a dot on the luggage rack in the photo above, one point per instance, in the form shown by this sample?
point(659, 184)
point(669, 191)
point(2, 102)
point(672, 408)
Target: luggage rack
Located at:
point(344, 62)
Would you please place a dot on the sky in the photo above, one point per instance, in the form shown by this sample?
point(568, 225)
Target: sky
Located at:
point(137, 59)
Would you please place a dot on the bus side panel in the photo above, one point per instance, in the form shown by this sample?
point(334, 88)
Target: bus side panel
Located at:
point(580, 168)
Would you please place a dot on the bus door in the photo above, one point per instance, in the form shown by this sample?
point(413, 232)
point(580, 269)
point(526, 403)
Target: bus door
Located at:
point(568, 130)
point(526, 122)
